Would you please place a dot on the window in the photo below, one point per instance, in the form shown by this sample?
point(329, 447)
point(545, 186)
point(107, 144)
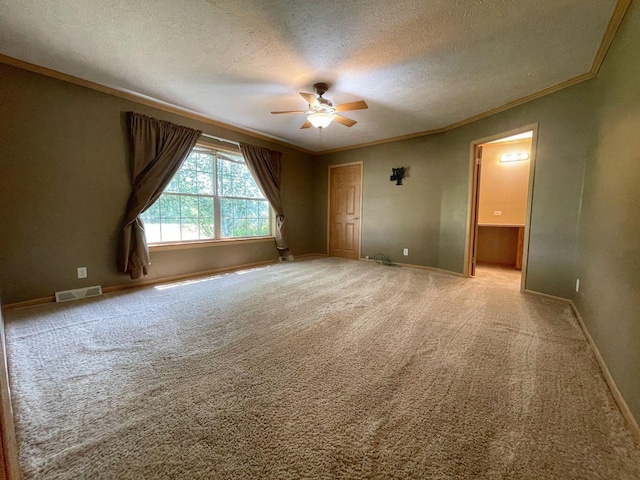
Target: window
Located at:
point(212, 196)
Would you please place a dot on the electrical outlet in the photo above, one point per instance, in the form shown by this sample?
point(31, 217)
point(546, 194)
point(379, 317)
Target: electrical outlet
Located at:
point(577, 285)
point(497, 213)
point(405, 252)
point(82, 272)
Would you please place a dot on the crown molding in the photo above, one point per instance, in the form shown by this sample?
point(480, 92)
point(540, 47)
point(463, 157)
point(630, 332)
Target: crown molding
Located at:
point(143, 100)
point(466, 121)
point(612, 28)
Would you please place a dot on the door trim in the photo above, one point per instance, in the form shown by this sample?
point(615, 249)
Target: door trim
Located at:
point(473, 232)
point(8, 442)
point(473, 184)
point(338, 165)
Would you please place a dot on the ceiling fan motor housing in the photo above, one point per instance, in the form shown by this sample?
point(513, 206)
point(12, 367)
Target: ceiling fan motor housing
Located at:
point(320, 88)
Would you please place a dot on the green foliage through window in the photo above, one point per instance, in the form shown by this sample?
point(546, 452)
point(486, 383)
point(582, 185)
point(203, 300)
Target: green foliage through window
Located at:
point(212, 188)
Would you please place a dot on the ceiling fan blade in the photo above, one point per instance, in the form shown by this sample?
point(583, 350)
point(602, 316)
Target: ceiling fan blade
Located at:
point(306, 124)
point(310, 98)
point(345, 107)
point(290, 111)
point(347, 122)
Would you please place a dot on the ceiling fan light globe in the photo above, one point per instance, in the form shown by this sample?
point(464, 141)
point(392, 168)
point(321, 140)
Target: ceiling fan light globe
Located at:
point(320, 119)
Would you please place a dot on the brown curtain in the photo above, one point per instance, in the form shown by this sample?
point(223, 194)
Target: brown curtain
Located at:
point(265, 166)
point(158, 149)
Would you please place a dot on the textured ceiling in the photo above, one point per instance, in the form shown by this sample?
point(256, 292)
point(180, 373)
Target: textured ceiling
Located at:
point(420, 65)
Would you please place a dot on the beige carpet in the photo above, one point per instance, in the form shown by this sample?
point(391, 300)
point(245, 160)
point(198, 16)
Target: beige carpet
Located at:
point(316, 369)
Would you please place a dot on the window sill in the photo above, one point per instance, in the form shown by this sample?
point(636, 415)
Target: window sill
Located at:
point(159, 247)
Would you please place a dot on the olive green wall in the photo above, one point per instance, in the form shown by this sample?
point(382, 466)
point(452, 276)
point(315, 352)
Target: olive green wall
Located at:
point(419, 215)
point(609, 234)
point(64, 184)
point(428, 214)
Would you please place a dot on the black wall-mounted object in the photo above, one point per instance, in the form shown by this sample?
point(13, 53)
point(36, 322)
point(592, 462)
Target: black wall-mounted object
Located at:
point(398, 173)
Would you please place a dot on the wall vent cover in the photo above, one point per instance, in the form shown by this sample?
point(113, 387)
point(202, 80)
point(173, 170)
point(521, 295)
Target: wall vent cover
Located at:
point(78, 293)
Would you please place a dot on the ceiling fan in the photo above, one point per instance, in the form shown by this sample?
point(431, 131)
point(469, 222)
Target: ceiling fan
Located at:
point(322, 112)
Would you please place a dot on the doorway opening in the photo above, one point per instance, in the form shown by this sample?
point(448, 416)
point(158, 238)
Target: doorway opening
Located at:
point(502, 186)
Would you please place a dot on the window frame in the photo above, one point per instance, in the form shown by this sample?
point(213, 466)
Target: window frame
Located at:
point(218, 240)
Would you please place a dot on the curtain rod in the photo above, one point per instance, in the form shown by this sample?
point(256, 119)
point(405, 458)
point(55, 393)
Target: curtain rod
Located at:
point(220, 139)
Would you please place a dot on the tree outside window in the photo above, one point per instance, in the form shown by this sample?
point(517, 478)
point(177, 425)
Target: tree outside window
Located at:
point(212, 196)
